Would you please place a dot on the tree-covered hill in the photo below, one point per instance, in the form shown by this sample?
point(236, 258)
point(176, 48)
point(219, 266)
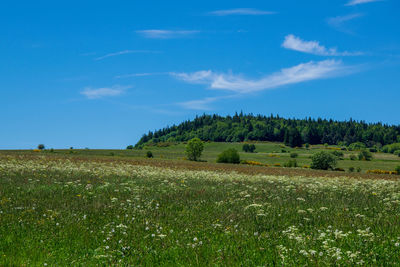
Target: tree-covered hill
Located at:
point(293, 132)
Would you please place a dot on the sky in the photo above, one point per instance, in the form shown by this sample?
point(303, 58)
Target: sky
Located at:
point(99, 74)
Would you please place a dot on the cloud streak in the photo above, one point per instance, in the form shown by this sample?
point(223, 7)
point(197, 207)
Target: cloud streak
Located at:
point(240, 11)
point(141, 74)
point(359, 2)
point(312, 47)
point(124, 52)
point(96, 93)
point(339, 22)
point(165, 34)
point(301, 73)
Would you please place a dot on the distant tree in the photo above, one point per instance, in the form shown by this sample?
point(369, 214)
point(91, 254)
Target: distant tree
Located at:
point(365, 155)
point(229, 156)
point(249, 148)
point(194, 148)
point(41, 146)
point(294, 155)
point(149, 154)
point(338, 154)
point(293, 138)
point(129, 147)
point(323, 161)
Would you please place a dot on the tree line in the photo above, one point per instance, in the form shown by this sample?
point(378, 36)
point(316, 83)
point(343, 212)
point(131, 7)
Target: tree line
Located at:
point(293, 132)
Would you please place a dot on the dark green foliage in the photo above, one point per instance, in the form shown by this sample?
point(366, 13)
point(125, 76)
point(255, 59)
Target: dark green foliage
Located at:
point(129, 147)
point(358, 169)
point(229, 156)
point(291, 164)
point(397, 153)
point(365, 155)
point(353, 157)
point(373, 150)
point(41, 146)
point(397, 170)
point(149, 154)
point(338, 154)
point(52, 150)
point(351, 169)
point(323, 161)
point(391, 148)
point(294, 155)
point(241, 127)
point(194, 148)
point(249, 148)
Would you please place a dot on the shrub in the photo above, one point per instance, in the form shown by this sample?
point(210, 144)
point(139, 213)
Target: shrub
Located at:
point(52, 150)
point(149, 154)
point(358, 169)
point(351, 169)
point(249, 148)
point(338, 154)
point(373, 150)
point(353, 157)
point(291, 164)
point(194, 148)
point(323, 161)
point(229, 156)
point(307, 145)
point(391, 148)
point(397, 153)
point(356, 146)
point(365, 155)
point(397, 169)
point(129, 147)
point(294, 155)
point(40, 146)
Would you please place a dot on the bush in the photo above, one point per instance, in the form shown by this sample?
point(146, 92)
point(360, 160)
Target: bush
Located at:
point(397, 169)
point(365, 155)
point(229, 156)
point(397, 153)
point(149, 154)
point(353, 157)
point(338, 154)
point(323, 161)
point(129, 147)
point(356, 146)
point(294, 155)
point(391, 148)
point(291, 164)
point(40, 146)
point(249, 148)
point(307, 145)
point(358, 169)
point(373, 150)
point(351, 169)
point(194, 148)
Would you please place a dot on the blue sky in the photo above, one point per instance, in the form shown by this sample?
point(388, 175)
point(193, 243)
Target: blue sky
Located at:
point(99, 74)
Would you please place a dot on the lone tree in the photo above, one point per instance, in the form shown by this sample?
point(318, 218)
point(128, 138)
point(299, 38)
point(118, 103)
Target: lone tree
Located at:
point(229, 156)
point(249, 148)
point(40, 146)
point(194, 148)
point(323, 161)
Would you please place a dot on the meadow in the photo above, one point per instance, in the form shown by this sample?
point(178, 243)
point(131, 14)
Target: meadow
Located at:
point(73, 209)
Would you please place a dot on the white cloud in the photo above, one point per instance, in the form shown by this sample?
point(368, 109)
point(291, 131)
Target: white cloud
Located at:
point(95, 93)
point(240, 11)
point(359, 2)
point(165, 34)
point(339, 22)
point(297, 74)
point(202, 104)
point(124, 53)
point(312, 47)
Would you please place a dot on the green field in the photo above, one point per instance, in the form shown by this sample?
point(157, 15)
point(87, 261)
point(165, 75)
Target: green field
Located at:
point(72, 210)
point(266, 153)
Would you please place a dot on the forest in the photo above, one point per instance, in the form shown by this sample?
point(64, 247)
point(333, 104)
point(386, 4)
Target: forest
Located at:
point(293, 132)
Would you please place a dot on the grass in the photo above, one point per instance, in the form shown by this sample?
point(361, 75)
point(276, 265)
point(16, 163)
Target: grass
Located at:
point(86, 210)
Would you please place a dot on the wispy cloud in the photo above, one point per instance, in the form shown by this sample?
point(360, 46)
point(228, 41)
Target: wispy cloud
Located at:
point(141, 74)
point(359, 2)
point(124, 52)
point(339, 22)
point(95, 93)
point(165, 34)
point(312, 47)
point(201, 104)
point(240, 11)
point(297, 74)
